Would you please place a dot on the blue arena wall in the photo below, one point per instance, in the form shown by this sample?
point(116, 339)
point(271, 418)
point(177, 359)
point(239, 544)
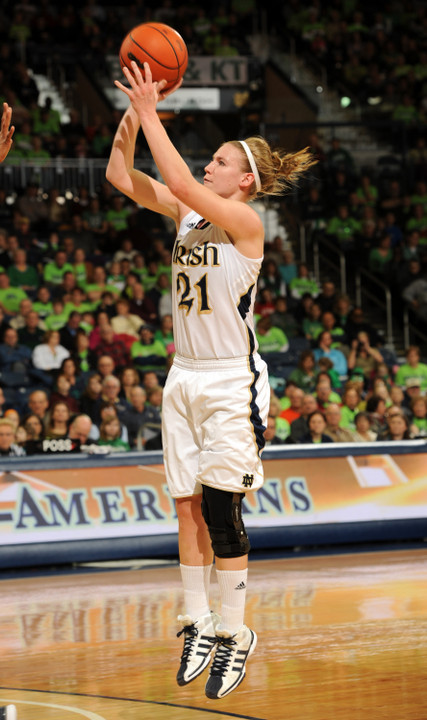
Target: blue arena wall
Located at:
point(66, 508)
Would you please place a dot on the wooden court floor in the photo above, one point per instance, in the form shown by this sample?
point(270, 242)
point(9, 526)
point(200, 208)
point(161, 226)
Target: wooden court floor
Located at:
point(339, 636)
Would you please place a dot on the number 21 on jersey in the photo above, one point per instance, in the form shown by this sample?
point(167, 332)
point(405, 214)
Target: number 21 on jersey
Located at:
point(187, 295)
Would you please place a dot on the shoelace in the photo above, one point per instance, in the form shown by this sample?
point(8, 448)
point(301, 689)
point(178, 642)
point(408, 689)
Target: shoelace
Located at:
point(190, 636)
point(191, 633)
point(223, 655)
point(188, 630)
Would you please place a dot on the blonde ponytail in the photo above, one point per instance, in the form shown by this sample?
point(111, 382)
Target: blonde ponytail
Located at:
point(278, 170)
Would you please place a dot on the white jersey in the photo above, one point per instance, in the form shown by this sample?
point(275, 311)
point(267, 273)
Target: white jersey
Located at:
point(214, 288)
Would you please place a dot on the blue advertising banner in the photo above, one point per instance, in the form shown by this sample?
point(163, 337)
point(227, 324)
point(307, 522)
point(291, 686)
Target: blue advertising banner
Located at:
point(81, 501)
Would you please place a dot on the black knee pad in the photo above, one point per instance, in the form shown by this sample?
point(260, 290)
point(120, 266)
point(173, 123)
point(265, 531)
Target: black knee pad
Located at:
point(222, 512)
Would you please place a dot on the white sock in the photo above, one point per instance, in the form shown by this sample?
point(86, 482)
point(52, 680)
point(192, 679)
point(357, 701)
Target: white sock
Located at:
point(232, 588)
point(196, 583)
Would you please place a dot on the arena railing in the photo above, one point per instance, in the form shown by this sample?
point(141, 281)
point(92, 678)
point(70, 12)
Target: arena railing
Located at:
point(324, 253)
point(70, 174)
point(411, 333)
point(363, 292)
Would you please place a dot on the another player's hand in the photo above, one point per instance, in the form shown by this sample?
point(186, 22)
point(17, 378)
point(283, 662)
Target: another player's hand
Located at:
point(6, 131)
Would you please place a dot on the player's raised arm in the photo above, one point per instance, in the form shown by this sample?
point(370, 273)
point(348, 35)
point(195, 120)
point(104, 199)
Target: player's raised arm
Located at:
point(131, 182)
point(240, 221)
point(238, 172)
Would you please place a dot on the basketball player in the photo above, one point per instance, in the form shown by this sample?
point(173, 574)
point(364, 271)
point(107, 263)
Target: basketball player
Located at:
point(6, 131)
point(216, 397)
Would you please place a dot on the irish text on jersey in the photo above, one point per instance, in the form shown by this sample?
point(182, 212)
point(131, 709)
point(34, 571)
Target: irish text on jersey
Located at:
point(203, 255)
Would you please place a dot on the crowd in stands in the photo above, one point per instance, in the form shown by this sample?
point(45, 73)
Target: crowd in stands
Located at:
point(86, 341)
point(375, 53)
point(377, 215)
point(86, 336)
point(30, 33)
point(376, 218)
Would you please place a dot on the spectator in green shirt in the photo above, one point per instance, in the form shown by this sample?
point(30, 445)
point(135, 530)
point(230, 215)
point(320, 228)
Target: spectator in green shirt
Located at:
point(10, 297)
point(43, 304)
point(303, 283)
point(47, 120)
point(95, 289)
point(406, 111)
point(419, 417)
point(94, 219)
point(418, 222)
point(54, 272)
point(419, 196)
point(381, 257)
point(351, 406)
point(339, 337)
point(367, 193)
point(148, 353)
point(21, 274)
point(139, 267)
point(110, 434)
point(38, 151)
point(46, 125)
point(283, 428)
point(80, 266)
point(78, 302)
point(413, 369)
point(305, 375)
point(312, 324)
point(117, 216)
point(270, 338)
point(102, 141)
point(58, 318)
point(165, 333)
point(343, 228)
point(324, 393)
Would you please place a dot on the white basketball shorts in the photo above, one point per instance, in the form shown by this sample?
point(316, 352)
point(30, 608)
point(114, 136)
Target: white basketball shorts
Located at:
point(214, 414)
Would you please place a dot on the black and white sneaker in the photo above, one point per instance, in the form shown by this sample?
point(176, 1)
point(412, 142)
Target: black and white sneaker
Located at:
point(199, 641)
point(229, 664)
point(8, 712)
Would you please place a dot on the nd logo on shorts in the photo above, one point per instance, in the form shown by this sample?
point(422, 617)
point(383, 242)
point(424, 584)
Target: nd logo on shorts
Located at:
point(247, 480)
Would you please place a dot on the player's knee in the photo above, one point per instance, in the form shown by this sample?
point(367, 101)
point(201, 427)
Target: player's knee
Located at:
point(188, 508)
point(222, 512)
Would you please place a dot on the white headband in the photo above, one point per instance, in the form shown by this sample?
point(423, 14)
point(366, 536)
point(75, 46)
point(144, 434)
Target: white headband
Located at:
point(254, 168)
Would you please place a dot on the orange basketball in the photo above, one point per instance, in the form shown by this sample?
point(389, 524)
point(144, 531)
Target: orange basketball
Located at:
point(159, 45)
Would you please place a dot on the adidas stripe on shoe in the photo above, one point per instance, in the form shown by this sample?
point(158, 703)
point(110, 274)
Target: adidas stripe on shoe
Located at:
point(199, 641)
point(8, 712)
point(229, 664)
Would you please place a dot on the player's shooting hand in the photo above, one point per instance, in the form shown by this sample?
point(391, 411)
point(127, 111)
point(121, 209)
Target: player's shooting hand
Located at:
point(143, 93)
